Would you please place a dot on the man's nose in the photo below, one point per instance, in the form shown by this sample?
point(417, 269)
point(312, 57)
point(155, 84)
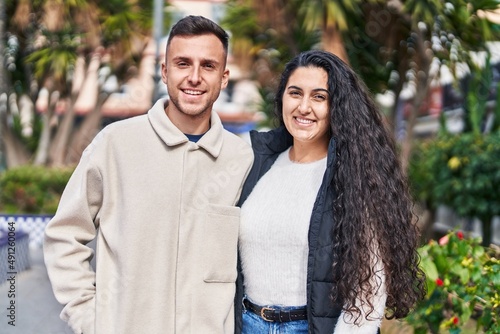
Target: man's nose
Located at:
point(194, 75)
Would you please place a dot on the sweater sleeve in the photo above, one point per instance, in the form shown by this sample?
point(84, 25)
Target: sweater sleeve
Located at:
point(67, 256)
point(371, 325)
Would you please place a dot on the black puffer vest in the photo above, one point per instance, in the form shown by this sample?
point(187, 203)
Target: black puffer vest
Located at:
point(322, 315)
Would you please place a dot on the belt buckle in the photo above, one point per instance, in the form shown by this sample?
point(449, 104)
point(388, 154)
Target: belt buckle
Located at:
point(262, 315)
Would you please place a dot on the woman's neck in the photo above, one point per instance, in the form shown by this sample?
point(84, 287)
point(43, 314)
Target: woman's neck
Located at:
point(303, 153)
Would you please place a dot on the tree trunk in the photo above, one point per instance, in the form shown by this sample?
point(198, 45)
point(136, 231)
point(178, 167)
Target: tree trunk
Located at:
point(86, 89)
point(278, 15)
point(333, 42)
point(42, 152)
point(393, 114)
point(12, 151)
point(59, 147)
point(15, 152)
point(86, 132)
point(423, 81)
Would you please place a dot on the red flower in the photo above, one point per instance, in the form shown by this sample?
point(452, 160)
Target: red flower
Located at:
point(460, 235)
point(439, 282)
point(455, 320)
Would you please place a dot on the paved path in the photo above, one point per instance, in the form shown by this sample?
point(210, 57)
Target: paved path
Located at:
point(37, 311)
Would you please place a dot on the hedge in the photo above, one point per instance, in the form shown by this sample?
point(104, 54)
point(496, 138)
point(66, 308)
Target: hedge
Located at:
point(32, 189)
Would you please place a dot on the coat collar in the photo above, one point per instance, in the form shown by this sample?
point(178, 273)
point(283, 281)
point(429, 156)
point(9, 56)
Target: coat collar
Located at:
point(172, 136)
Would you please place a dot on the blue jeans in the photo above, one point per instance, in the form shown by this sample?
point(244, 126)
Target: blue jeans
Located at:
point(254, 324)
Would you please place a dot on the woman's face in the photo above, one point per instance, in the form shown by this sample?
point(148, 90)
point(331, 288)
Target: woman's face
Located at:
point(305, 106)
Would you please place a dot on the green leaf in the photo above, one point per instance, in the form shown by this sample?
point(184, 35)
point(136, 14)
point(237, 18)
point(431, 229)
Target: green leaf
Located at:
point(461, 272)
point(466, 313)
point(429, 268)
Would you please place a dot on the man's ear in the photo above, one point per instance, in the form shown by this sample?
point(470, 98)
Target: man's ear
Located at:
point(225, 79)
point(164, 72)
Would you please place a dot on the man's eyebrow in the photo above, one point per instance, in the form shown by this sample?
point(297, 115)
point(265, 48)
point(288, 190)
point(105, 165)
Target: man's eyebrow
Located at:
point(189, 59)
point(210, 60)
point(181, 58)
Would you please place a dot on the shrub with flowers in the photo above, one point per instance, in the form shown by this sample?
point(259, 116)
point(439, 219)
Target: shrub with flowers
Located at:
point(461, 171)
point(463, 281)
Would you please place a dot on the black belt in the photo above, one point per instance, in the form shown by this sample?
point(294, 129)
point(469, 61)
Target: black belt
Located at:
point(277, 315)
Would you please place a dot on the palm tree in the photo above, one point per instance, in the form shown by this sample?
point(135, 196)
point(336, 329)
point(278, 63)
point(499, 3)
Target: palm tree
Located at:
point(276, 26)
point(124, 27)
point(66, 43)
point(264, 35)
point(333, 18)
point(14, 149)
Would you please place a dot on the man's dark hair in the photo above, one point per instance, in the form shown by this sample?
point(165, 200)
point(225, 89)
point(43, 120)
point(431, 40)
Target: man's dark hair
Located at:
point(198, 25)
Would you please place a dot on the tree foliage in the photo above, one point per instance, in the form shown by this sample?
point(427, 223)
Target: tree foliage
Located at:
point(53, 48)
point(462, 170)
point(390, 44)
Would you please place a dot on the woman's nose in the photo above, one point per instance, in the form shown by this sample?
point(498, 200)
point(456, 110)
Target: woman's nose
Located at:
point(304, 106)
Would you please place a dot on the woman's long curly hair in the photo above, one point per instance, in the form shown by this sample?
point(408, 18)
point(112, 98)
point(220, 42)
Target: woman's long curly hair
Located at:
point(372, 205)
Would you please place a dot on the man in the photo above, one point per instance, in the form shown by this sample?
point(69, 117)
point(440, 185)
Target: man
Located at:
point(158, 192)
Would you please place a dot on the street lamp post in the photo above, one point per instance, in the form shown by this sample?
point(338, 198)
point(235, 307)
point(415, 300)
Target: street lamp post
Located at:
point(3, 88)
point(157, 35)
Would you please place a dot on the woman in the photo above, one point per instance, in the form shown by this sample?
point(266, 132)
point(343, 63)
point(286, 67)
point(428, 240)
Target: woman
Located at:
point(327, 243)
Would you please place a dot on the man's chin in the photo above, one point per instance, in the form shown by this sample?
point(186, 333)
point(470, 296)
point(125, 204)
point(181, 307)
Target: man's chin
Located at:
point(195, 113)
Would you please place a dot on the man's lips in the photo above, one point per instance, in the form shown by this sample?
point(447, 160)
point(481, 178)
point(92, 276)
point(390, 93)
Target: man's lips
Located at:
point(192, 92)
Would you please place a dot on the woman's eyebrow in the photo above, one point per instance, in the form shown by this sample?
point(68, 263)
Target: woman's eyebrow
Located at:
point(314, 90)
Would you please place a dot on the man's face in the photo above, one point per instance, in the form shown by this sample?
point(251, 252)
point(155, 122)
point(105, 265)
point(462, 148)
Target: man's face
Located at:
point(194, 72)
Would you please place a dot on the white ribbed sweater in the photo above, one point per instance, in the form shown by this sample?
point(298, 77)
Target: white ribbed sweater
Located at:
point(273, 232)
point(273, 242)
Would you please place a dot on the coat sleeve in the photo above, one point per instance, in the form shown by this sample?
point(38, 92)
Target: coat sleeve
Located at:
point(66, 254)
point(346, 323)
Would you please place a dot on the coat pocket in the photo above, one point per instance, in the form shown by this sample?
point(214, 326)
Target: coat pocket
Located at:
point(221, 243)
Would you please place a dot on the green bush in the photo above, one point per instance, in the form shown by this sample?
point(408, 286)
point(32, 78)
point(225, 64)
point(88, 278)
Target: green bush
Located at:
point(461, 171)
point(463, 281)
point(32, 189)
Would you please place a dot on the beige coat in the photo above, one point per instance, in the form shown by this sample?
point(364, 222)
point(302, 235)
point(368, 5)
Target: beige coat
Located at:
point(163, 210)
